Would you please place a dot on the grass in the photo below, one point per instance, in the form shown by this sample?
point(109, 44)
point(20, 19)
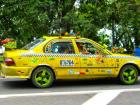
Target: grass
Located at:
point(1, 58)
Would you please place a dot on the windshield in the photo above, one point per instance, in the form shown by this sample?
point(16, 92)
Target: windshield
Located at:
point(33, 44)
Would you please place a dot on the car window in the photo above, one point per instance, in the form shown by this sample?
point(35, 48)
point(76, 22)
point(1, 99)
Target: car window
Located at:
point(33, 44)
point(86, 47)
point(62, 47)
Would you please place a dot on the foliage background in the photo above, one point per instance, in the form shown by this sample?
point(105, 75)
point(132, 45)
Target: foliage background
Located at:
point(25, 19)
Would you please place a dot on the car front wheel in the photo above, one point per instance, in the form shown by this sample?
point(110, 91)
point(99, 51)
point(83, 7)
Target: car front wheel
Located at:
point(128, 75)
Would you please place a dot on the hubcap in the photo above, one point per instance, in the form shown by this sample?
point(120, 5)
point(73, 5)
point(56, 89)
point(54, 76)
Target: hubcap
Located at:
point(129, 75)
point(42, 77)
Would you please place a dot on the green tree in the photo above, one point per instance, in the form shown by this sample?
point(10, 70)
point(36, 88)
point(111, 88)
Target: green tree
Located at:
point(22, 19)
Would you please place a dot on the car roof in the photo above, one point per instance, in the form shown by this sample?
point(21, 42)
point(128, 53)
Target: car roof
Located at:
point(63, 37)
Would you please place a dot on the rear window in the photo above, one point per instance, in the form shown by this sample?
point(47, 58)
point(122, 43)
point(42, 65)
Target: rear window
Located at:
point(33, 44)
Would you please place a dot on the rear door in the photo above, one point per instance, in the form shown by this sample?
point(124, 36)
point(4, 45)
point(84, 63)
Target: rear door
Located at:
point(62, 57)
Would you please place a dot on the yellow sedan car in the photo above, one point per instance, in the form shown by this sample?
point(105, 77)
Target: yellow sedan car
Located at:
point(51, 58)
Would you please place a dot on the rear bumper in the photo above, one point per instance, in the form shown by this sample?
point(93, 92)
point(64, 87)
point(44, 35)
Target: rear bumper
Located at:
point(15, 72)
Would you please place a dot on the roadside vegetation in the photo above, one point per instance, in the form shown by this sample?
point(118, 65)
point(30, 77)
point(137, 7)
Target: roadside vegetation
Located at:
point(24, 20)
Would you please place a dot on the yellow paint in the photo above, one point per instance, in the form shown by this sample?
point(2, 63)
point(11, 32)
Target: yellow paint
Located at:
point(90, 66)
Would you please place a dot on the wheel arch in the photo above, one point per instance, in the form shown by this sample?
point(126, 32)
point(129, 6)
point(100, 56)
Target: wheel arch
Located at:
point(43, 66)
point(133, 64)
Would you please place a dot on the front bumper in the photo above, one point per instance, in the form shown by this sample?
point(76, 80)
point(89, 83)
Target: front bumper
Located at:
point(15, 72)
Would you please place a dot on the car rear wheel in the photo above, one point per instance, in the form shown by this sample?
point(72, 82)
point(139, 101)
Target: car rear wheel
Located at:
point(128, 75)
point(42, 77)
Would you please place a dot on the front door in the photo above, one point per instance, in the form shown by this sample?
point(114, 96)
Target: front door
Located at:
point(94, 62)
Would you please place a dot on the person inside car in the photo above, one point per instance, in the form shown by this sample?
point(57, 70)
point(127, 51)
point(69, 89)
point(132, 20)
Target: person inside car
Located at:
point(82, 49)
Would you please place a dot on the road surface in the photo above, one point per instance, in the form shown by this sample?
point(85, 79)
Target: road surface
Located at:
point(81, 92)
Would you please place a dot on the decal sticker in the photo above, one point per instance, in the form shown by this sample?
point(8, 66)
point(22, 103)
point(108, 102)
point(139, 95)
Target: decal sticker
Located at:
point(117, 60)
point(20, 72)
point(73, 72)
point(109, 71)
point(51, 58)
point(90, 64)
point(99, 59)
point(77, 73)
point(84, 59)
point(102, 70)
point(70, 71)
point(34, 60)
point(82, 73)
point(66, 63)
point(87, 70)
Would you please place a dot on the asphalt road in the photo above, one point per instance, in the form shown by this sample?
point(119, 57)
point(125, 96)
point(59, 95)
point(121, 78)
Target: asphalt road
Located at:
point(81, 92)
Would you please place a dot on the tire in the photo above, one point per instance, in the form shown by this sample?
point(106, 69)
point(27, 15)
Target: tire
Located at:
point(128, 75)
point(42, 77)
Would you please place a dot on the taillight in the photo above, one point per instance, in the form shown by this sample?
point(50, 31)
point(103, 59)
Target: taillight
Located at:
point(9, 62)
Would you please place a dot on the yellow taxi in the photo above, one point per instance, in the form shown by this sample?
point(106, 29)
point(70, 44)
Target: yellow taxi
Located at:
point(57, 57)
